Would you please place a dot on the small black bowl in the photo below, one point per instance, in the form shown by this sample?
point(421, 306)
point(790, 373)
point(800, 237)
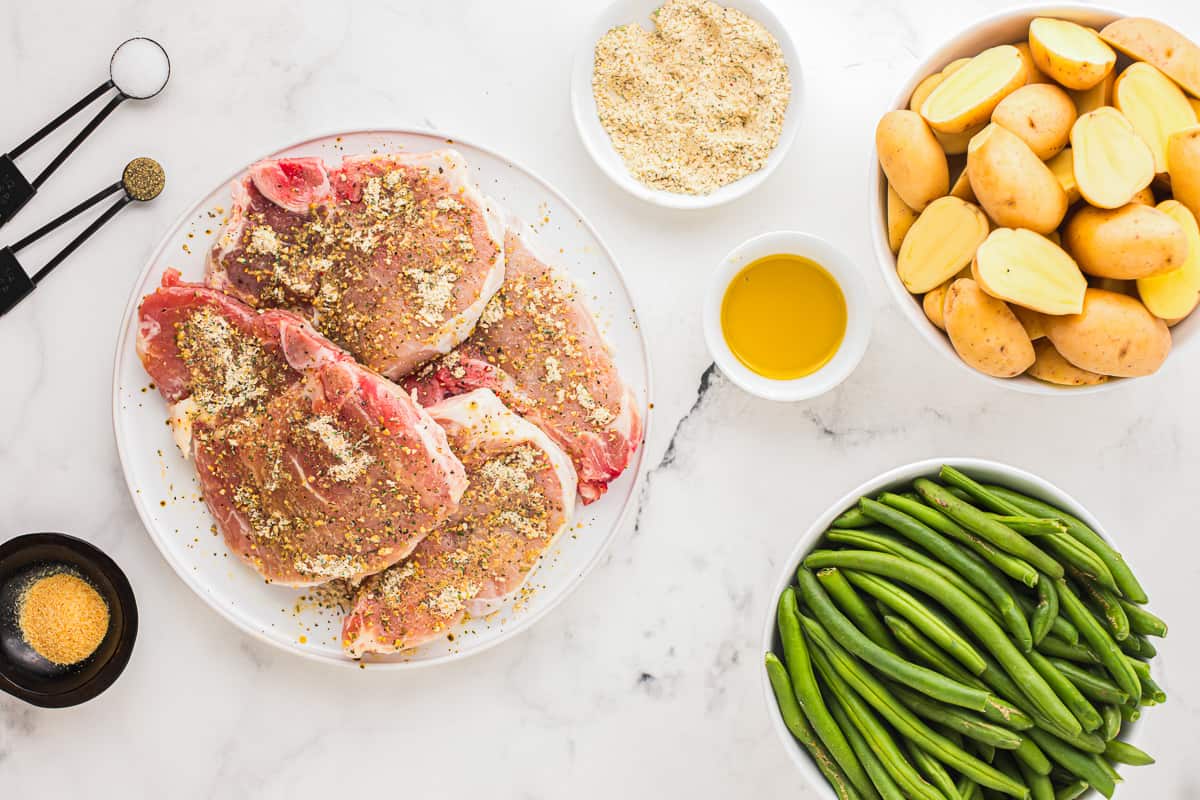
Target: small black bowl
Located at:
point(25, 674)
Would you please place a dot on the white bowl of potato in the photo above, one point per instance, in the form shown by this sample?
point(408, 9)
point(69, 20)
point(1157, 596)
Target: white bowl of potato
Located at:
point(1035, 216)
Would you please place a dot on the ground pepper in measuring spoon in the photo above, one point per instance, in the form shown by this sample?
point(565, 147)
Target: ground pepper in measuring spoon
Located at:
point(63, 618)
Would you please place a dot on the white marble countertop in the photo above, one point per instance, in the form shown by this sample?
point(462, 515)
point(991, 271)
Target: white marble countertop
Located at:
point(645, 682)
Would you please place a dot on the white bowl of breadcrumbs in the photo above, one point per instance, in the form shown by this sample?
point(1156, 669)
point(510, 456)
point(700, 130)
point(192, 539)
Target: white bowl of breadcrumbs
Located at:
point(687, 103)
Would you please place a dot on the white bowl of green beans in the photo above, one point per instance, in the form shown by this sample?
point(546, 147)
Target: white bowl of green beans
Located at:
point(955, 625)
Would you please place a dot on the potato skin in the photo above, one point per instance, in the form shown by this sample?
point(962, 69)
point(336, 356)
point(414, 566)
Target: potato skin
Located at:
point(1158, 45)
point(984, 331)
point(911, 158)
point(1041, 115)
point(1032, 322)
point(1183, 165)
point(899, 219)
point(1133, 241)
point(1114, 335)
point(1014, 186)
point(1051, 367)
point(934, 305)
point(1046, 33)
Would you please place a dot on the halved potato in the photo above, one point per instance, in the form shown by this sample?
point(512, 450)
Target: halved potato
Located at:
point(955, 144)
point(911, 158)
point(1183, 165)
point(940, 243)
point(1160, 45)
point(1176, 293)
point(1041, 115)
point(1051, 367)
point(1112, 163)
point(899, 219)
point(955, 65)
point(1098, 96)
point(1029, 270)
point(927, 85)
point(962, 188)
point(1063, 167)
point(1134, 241)
point(934, 305)
point(1155, 106)
point(984, 331)
point(967, 97)
point(1113, 335)
point(1014, 186)
point(1032, 73)
point(1144, 198)
point(1031, 321)
point(1071, 54)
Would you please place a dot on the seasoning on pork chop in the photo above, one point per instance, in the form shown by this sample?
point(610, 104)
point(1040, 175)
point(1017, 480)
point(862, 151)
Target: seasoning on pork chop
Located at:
point(537, 347)
point(314, 467)
point(394, 257)
point(520, 497)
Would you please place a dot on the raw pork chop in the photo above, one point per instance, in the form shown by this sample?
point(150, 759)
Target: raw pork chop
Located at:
point(538, 348)
point(314, 467)
point(394, 257)
point(520, 498)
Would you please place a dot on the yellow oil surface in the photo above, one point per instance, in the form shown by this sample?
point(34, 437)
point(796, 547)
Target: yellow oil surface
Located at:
point(783, 316)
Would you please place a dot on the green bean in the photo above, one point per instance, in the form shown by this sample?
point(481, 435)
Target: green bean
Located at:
point(920, 646)
point(1077, 763)
point(996, 678)
point(975, 520)
point(1072, 553)
point(1097, 637)
point(1142, 621)
point(1122, 574)
point(1058, 626)
point(1027, 525)
point(1010, 565)
point(1107, 604)
point(1130, 714)
point(1092, 686)
point(893, 666)
point(880, 741)
point(889, 543)
point(1108, 769)
point(808, 694)
point(1112, 722)
point(906, 723)
point(1125, 753)
point(991, 635)
point(1072, 791)
point(1039, 784)
point(1084, 711)
point(1139, 646)
point(964, 722)
point(1081, 653)
point(794, 719)
point(941, 632)
point(852, 518)
point(1046, 611)
point(1152, 693)
point(852, 605)
point(970, 567)
point(984, 750)
point(933, 771)
point(866, 754)
point(1029, 754)
point(968, 789)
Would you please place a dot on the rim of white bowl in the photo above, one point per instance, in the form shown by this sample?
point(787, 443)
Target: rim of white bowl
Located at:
point(1020, 479)
point(910, 305)
point(858, 315)
point(598, 144)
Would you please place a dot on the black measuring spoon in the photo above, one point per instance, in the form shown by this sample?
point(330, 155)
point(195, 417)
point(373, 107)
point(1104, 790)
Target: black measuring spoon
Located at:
point(138, 70)
point(142, 180)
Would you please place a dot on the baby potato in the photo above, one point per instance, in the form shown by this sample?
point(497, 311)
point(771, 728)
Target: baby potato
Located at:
point(1051, 367)
point(1114, 285)
point(955, 144)
point(1144, 198)
point(1159, 45)
point(1031, 321)
point(1029, 270)
point(940, 243)
point(1071, 54)
point(911, 158)
point(954, 66)
point(899, 219)
point(1063, 167)
point(1098, 96)
point(984, 331)
point(1183, 165)
point(1041, 115)
point(934, 305)
point(1155, 106)
point(1113, 335)
point(1134, 241)
point(962, 188)
point(1111, 161)
point(1014, 186)
point(1033, 74)
point(1175, 294)
point(967, 97)
point(927, 85)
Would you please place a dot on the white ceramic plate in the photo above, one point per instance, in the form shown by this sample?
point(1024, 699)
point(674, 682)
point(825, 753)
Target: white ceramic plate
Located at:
point(597, 141)
point(893, 480)
point(1001, 28)
point(164, 486)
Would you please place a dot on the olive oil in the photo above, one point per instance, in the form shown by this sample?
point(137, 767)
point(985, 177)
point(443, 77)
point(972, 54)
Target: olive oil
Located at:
point(783, 316)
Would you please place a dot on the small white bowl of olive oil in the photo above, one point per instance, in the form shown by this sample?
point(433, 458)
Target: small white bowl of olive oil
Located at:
point(787, 316)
